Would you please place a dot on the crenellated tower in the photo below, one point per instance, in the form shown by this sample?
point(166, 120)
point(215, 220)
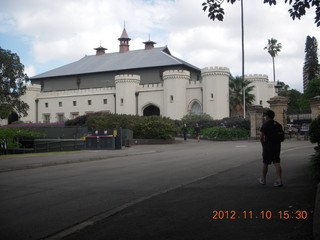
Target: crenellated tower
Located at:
point(175, 92)
point(215, 86)
point(126, 86)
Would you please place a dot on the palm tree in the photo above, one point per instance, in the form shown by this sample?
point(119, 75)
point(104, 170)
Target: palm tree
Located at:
point(273, 48)
point(238, 86)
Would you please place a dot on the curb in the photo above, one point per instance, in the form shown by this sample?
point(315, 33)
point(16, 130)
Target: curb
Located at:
point(316, 216)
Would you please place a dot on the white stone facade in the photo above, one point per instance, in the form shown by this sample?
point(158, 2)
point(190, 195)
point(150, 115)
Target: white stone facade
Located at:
point(263, 89)
point(174, 97)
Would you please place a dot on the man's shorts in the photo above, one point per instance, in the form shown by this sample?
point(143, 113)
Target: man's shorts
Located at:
point(271, 154)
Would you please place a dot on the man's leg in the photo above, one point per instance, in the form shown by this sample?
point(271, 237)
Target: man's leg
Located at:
point(264, 171)
point(278, 171)
point(262, 180)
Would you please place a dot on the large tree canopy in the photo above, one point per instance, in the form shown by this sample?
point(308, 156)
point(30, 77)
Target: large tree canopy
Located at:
point(12, 85)
point(297, 10)
point(313, 88)
point(311, 63)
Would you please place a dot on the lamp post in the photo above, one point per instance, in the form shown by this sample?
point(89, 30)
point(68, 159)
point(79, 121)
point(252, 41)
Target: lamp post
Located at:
point(277, 87)
point(242, 51)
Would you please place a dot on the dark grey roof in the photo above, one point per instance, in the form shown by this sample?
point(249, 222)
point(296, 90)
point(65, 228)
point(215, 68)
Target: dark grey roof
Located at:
point(136, 59)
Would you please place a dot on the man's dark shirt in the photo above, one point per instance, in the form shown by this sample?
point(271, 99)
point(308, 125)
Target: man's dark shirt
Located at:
point(271, 147)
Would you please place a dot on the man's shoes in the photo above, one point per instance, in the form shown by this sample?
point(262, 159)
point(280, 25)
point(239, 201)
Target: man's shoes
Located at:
point(277, 184)
point(262, 181)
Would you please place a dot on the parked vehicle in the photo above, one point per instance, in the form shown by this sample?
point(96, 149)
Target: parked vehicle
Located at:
point(292, 128)
point(305, 128)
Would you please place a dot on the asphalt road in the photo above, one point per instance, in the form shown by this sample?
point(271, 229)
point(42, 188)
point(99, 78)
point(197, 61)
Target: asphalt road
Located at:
point(156, 192)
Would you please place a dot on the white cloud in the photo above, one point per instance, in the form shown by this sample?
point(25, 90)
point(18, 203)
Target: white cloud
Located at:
point(30, 70)
point(66, 30)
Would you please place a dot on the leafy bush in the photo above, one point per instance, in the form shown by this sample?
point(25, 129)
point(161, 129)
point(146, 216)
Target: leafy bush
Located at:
point(12, 135)
point(315, 166)
point(218, 133)
point(314, 131)
point(153, 127)
point(206, 121)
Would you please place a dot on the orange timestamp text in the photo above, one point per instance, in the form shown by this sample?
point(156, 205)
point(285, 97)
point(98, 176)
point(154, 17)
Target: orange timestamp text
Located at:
point(265, 214)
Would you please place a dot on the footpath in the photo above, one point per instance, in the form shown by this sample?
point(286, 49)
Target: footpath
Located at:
point(229, 205)
point(226, 206)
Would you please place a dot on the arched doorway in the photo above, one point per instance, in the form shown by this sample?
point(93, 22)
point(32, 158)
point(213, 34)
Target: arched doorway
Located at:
point(13, 117)
point(151, 110)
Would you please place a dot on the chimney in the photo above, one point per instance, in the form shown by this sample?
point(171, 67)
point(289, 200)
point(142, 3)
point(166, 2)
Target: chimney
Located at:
point(100, 50)
point(149, 44)
point(124, 42)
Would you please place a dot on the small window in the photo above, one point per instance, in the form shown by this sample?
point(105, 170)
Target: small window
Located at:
point(89, 102)
point(74, 115)
point(74, 103)
point(171, 98)
point(121, 101)
point(260, 102)
point(46, 118)
point(60, 117)
point(211, 96)
point(46, 104)
point(105, 101)
point(60, 104)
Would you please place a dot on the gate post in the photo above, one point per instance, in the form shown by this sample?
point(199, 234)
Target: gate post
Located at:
point(256, 119)
point(315, 107)
point(279, 105)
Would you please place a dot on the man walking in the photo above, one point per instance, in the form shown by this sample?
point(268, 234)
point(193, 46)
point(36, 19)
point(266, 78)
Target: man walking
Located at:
point(271, 136)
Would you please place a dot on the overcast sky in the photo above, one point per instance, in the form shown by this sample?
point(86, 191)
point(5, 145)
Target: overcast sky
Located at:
point(47, 34)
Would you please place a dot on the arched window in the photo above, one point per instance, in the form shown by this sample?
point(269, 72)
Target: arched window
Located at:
point(196, 108)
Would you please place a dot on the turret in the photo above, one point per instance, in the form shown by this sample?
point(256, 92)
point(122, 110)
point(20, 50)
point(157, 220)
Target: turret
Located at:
point(124, 42)
point(216, 91)
point(175, 85)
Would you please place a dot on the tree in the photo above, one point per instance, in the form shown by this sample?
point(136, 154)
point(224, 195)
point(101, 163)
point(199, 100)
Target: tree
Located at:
point(311, 63)
point(297, 10)
point(238, 86)
point(313, 89)
point(12, 82)
point(273, 48)
point(283, 90)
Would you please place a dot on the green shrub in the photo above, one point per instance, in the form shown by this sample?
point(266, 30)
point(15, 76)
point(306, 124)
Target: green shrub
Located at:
point(152, 127)
point(11, 134)
point(218, 133)
point(315, 166)
point(205, 121)
point(314, 131)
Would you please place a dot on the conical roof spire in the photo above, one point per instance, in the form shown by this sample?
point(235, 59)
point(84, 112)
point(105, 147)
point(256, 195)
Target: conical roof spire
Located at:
point(124, 41)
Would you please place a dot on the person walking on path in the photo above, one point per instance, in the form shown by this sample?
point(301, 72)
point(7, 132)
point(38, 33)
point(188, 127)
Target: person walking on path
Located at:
point(185, 131)
point(197, 132)
point(271, 136)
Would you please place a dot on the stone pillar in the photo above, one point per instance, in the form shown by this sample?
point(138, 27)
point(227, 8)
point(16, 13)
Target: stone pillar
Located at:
point(256, 119)
point(279, 105)
point(315, 107)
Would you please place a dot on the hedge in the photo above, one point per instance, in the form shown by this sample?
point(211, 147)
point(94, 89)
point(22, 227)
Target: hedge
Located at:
point(222, 134)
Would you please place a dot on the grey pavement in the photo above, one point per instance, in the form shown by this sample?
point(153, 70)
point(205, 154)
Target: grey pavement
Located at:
point(226, 205)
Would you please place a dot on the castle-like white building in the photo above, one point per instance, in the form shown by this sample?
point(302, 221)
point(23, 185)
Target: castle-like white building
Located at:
point(149, 81)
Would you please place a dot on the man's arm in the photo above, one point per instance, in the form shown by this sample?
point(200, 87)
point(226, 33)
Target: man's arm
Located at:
point(262, 138)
